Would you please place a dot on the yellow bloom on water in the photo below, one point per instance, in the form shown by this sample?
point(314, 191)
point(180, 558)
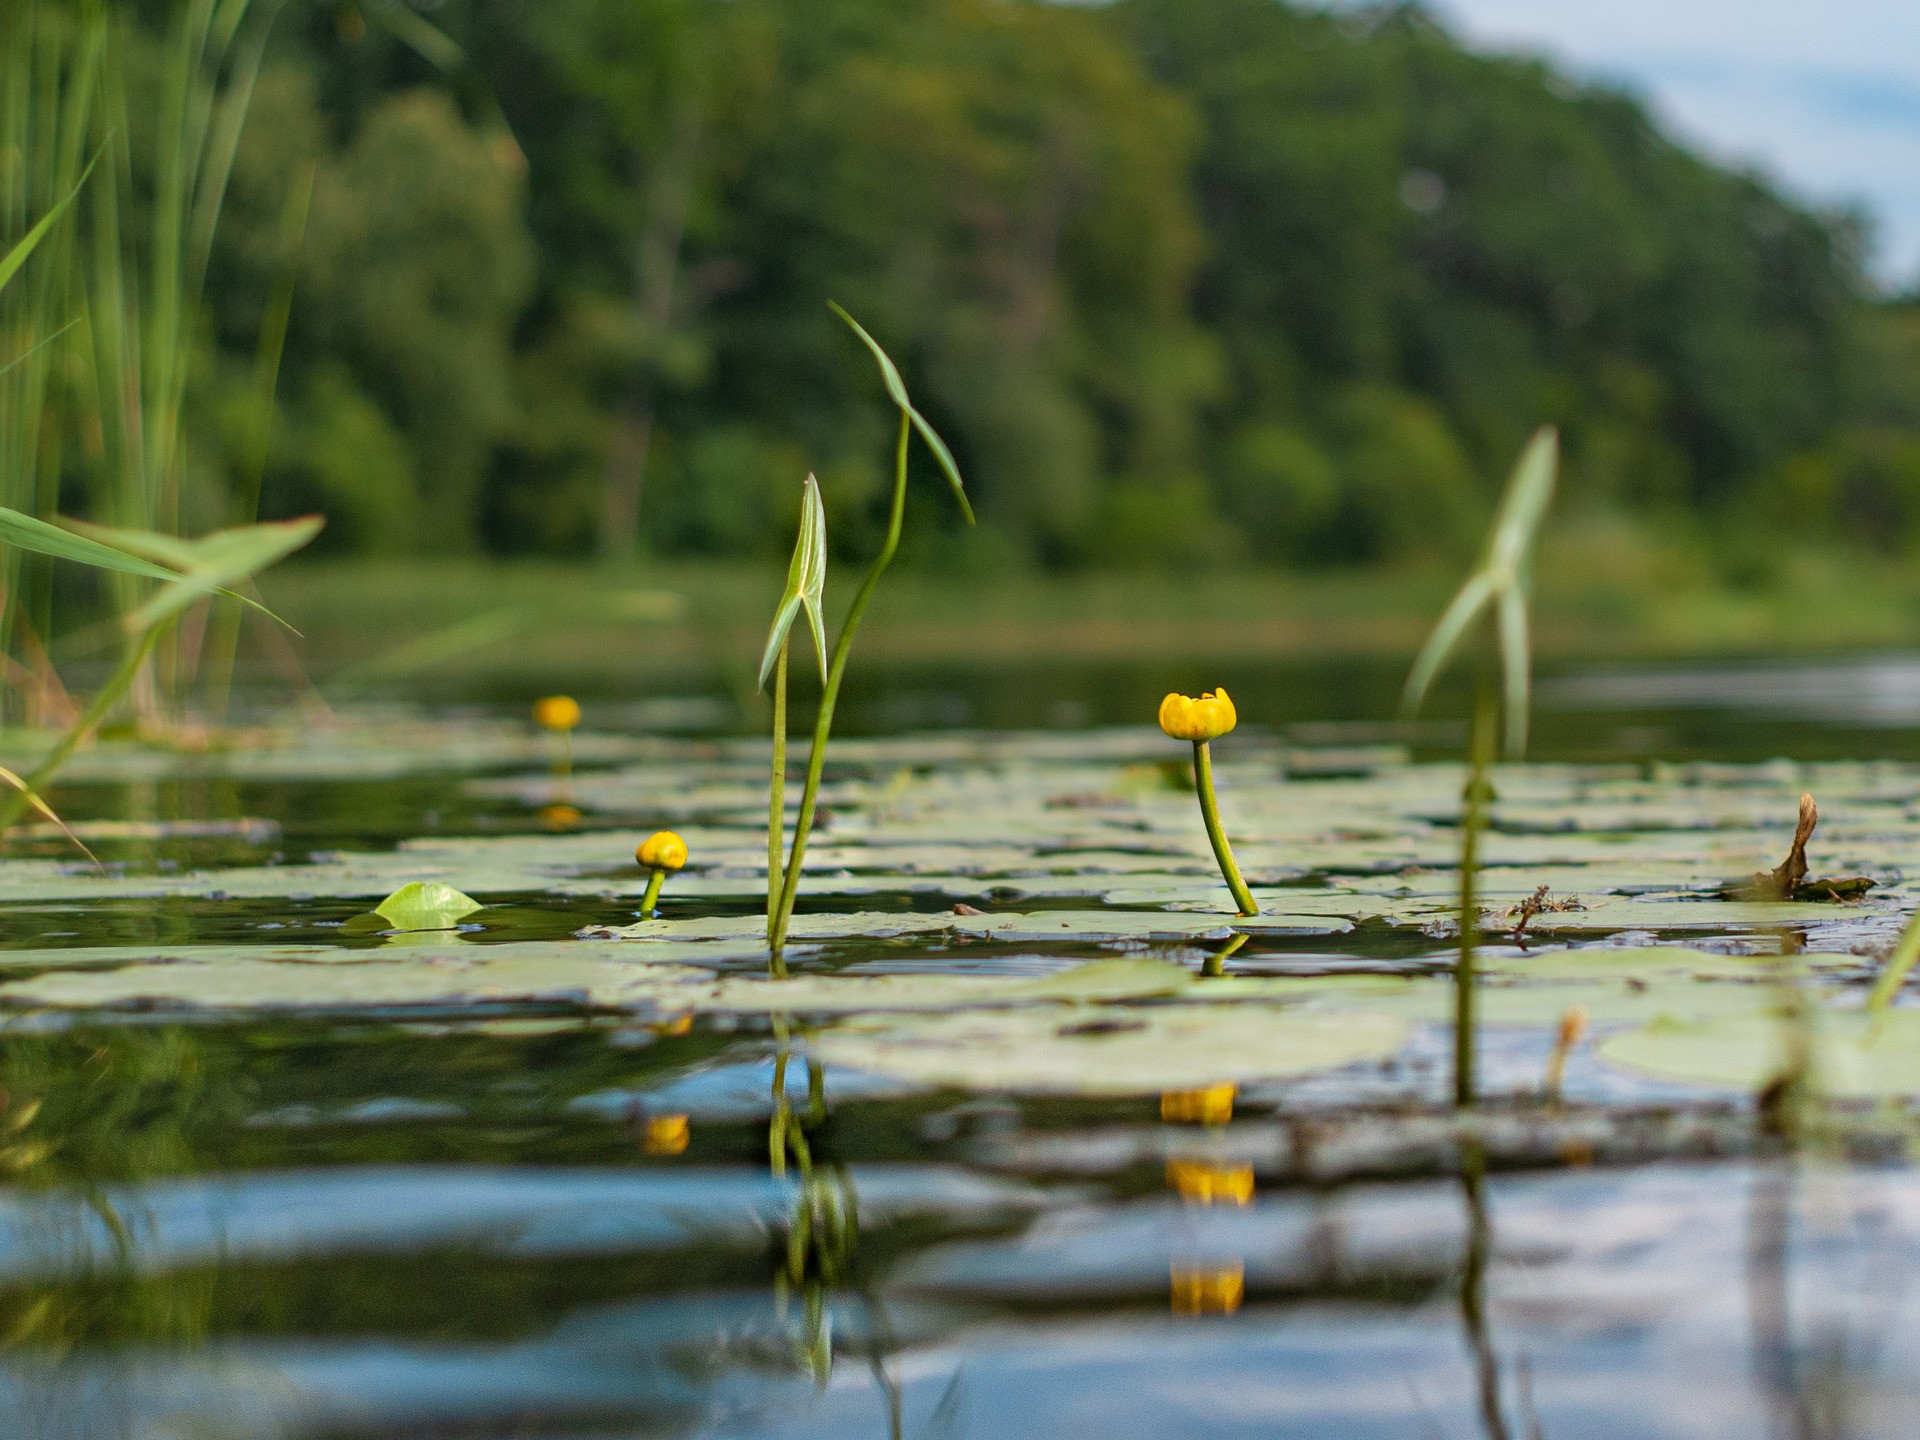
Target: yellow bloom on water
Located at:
point(556, 712)
point(663, 850)
point(1215, 1291)
point(667, 1135)
point(559, 817)
point(1203, 1184)
point(1207, 718)
point(1211, 1106)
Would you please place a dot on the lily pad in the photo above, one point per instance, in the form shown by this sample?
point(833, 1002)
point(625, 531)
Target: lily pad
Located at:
point(426, 905)
point(1109, 1049)
point(1854, 1056)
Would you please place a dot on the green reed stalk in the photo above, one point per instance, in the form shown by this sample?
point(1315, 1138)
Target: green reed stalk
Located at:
point(830, 694)
point(777, 784)
point(1473, 821)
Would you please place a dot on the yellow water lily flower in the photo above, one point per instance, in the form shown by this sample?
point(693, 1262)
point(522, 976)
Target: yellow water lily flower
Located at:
point(556, 712)
point(1207, 718)
point(662, 851)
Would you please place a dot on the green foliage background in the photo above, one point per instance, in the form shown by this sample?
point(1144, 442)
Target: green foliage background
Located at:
point(1182, 281)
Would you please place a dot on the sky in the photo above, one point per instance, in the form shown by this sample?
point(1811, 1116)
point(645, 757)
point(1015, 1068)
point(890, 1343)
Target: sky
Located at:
point(1823, 96)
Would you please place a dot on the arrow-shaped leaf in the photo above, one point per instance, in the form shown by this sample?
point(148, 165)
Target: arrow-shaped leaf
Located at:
point(806, 583)
point(897, 392)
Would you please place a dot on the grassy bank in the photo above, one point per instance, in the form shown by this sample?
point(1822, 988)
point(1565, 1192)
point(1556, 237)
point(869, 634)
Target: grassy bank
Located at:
point(1602, 595)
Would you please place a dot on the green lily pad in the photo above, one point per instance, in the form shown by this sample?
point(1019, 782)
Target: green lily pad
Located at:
point(1853, 1055)
point(1109, 1049)
point(426, 905)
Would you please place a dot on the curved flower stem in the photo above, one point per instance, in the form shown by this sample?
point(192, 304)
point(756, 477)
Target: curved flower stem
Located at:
point(777, 788)
point(823, 723)
point(652, 899)
point(1210, 812)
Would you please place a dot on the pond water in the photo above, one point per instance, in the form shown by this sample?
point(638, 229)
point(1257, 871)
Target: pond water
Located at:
point(1004, 1156)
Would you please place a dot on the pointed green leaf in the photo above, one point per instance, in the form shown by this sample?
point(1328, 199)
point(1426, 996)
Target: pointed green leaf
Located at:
point(945, 457)
point(11, 262)
point(1460, 613)
point(1515, 667)
point(889, 376)
point(29, 533)
point(897, 392)
point(1524, 505)
point(806, 583)
point(226, 557)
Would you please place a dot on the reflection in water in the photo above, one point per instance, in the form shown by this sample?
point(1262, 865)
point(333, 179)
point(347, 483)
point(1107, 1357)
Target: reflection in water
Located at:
point(1473, 1291)
point(1201, 1183)
point(823, 1233)
point(667, 1135)
point(1216, 1290)
point(86, 1118)
point(1211, 1106)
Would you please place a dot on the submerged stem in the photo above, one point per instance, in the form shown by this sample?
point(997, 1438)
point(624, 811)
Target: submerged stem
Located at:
point(777, 787)
point(1210, 812)
point(823, 723)
point(1466, 998)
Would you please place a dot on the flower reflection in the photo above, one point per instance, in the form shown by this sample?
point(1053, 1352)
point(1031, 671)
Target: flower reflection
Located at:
point(1211, 1106)
point(1201, 1183)
point(1215, 1290)
point(667, 1135)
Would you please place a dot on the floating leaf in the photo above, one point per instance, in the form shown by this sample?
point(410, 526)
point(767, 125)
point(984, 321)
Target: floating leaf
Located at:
point(426, 905)
point(1109, 1050)
point(1855, 1055)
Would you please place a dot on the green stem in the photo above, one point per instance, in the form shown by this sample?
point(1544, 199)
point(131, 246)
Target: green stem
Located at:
point(830, 694)
point(103, 703)
point(654, 882)
point(1210, 812)
point(1466, 997)
point(1899, 965)
point(777, 787)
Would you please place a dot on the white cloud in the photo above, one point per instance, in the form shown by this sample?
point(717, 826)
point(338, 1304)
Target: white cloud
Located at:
point(1822, 94)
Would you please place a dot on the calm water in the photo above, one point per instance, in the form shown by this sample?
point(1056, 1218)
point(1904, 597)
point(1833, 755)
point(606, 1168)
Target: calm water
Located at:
point(517, 1222)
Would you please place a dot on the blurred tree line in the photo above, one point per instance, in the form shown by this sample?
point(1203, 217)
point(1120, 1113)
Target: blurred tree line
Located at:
point(1179, 279)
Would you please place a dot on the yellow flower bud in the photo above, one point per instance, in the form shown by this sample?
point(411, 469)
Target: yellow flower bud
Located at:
point(1207, 718)
point(662, 851)
point(556, 712)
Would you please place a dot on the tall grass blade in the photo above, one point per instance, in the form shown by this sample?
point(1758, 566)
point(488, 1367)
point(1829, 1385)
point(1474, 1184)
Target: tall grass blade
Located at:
point(227, 556)
point(28, 533)
point(46, 811)
point(11, 262)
